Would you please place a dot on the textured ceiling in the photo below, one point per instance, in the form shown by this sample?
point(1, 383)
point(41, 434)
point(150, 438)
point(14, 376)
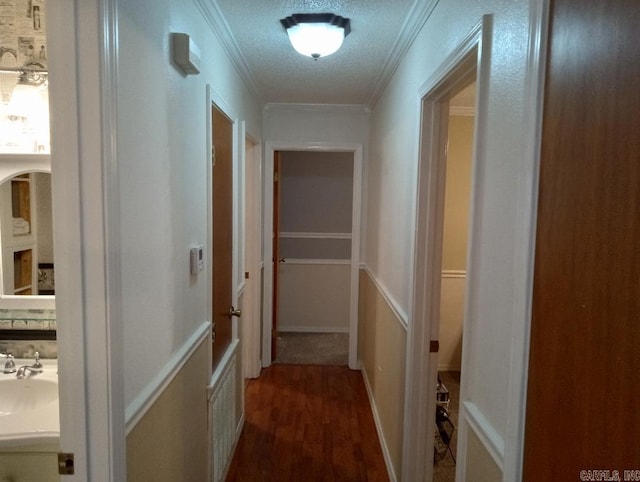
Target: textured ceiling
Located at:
point(353, 75)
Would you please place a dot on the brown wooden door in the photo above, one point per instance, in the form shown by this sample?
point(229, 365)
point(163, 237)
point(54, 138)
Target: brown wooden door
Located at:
point(583, 388)
point(222, 231)
point(276, 252)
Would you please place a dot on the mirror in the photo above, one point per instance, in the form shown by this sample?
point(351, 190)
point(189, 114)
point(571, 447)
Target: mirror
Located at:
point(26, 237)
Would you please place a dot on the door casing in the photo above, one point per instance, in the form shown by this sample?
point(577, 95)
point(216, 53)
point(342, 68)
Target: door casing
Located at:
point(460, 69)
point(214, 100)
point(267, 310)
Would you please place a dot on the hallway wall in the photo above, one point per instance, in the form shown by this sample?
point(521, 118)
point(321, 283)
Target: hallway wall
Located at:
point(503, 210)
point(381, 346)
point(161, 432)
point(162, 172)
point(162, 146)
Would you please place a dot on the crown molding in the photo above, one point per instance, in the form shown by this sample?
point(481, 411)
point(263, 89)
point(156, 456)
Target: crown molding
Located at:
point(283, 106)
point(220, 28)
point(418, 16)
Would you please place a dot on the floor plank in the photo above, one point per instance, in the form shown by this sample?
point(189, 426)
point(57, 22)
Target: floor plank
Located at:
point(308, 423)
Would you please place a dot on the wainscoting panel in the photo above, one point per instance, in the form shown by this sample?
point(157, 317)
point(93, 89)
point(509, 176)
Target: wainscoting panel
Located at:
point(314, 295)
point(222, 413)
point(451, 320)
point(479, 464)
point(174, 424)
point(382, 347)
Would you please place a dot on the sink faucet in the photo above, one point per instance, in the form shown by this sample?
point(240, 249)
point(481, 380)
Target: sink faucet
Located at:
point(35, 368)
point(10, 364)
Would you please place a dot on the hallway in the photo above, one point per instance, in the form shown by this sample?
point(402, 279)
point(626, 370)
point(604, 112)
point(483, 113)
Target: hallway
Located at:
point(306, 422)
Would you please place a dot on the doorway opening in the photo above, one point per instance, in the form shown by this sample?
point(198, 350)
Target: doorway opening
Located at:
point(312, 213)
point(312, 235)
point(250, 322)
point(455, 228)
point(222, 235)
point(444, 242)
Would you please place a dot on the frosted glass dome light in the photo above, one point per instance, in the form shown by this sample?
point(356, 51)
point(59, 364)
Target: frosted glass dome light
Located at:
point(316, 34)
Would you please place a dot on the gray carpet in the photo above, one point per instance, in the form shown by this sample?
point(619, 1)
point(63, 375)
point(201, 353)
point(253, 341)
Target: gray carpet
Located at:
point(313, 348)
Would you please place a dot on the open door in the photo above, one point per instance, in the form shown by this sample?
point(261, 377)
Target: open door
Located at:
point(222, 261)
point(582, 399)
point(276, 252)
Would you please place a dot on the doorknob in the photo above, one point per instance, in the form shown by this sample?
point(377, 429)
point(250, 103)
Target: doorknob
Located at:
point(282, 260)
point(234, 312)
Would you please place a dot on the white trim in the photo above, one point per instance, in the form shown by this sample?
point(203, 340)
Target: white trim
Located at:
point(331, 108)
point(415, 20)
point(220, 28)
point(464, 61)
point(241, 208)
point(67, 230)
point(317, 261)
point(239, 428)
point(215, 99)
point(357, 150)
point(312, 329)
point(462, 111)
point(208, 161)
point(488, 435)
point(454, 273)
point(16, 164)
point(398, 312)
point(525, 242)
point(376, 419)
point(241, 288)
point(356, 232)
point(300, 235)
point(148, 396)
point(85, 192)
point(112, 296)
point(223, 365)
point(251, 306)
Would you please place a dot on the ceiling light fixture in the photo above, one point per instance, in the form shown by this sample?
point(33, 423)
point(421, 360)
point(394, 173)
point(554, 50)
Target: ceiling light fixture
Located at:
point(316, 34)
point(26, 98)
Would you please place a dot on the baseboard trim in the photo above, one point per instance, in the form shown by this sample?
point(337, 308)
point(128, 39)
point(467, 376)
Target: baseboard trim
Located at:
point(378, 424)
point(152, 391)
point(313, 329)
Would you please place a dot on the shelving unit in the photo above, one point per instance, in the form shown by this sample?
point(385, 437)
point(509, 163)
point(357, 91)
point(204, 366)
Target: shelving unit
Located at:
point(18, 221)
point(19, 246)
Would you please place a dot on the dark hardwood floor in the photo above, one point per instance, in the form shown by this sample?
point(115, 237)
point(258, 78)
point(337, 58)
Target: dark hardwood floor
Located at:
point(308, 423)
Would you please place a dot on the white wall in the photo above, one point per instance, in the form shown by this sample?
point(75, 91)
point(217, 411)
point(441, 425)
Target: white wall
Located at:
point(162, 174)
point(314, 297)
point(333, 124)
point(504, 180)
point(451, 317)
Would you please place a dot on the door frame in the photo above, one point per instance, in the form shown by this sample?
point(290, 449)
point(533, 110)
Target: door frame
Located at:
point(506, 449)
point(270, 148)
point(251, 255)
point(469, 60)
point(214, 99)
point(86, 235)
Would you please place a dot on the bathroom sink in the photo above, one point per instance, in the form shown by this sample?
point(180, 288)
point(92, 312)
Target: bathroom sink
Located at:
point(29, 407)
point(27, 394)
